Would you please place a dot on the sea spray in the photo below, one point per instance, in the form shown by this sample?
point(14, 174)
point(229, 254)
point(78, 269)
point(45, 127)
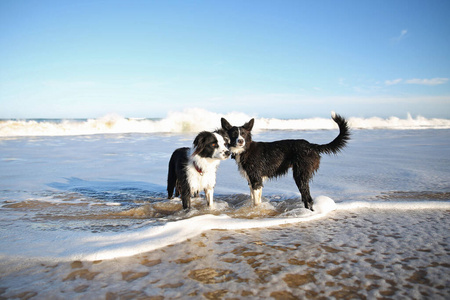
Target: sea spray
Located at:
point(195, 120)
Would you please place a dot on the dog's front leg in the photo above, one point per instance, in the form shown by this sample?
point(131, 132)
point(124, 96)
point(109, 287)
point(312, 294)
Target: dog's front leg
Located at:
point(256, 185)
point(209, 197)
point(256, 195)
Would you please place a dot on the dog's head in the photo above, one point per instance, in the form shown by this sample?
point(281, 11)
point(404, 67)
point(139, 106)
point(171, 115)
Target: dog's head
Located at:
point(240, 137)
point(211, 145)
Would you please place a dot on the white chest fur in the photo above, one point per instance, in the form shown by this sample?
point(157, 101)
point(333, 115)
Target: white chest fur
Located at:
point(204, 180)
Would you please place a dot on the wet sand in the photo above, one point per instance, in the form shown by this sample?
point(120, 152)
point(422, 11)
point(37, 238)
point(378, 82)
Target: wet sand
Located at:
point(358, 254)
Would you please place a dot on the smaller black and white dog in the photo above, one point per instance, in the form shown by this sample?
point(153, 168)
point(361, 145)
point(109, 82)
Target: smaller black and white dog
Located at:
point(258, 161)
point(192, 170)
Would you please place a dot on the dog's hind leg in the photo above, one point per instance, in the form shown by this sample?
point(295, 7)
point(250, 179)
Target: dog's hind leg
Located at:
point(177, 189)
point(306, 197)
point(302, 182)
point(186, 195)
point(171, 182)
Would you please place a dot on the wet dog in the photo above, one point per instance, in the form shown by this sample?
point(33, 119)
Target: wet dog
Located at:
point(192, 170)
point(258, 161)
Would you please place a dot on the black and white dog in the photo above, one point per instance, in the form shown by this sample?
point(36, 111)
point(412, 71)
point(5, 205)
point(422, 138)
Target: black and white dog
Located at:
point(258, 161)
point(192, 170)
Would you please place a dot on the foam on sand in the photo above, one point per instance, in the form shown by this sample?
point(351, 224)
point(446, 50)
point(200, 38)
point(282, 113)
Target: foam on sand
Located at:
point(87, 246)
point(409, 205)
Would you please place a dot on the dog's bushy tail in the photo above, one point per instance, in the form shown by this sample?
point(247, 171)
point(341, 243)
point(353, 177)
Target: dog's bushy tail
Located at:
point(341, 140)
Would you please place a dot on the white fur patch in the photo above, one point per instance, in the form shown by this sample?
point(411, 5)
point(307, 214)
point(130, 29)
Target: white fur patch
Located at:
point(207, 179)
point(219, 153)
point(239, 148)
point(256, 196)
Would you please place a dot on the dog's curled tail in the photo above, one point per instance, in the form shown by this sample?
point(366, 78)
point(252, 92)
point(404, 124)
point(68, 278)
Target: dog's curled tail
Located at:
point(341, 140)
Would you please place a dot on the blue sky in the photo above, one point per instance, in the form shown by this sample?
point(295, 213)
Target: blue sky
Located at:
point(282, 59)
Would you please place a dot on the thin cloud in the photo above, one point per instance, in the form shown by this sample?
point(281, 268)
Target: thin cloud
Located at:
point(68, 84)
point(403, 35)
point(393, 82)
point(419, 81)
point(431, 81)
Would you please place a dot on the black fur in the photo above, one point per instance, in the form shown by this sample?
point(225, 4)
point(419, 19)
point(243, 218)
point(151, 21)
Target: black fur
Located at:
point(177, 164)
point(273, 159)
point(204, 144)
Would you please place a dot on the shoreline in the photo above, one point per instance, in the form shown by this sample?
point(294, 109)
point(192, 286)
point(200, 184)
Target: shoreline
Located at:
point(362, 253)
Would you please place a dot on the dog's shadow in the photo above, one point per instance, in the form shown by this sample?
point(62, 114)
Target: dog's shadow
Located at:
point(115, 191)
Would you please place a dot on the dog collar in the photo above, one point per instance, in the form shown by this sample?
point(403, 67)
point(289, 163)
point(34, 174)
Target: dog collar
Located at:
point(199, 170)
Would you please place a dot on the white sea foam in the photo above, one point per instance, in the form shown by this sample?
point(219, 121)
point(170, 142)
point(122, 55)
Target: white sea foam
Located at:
point(396, 123)
point(194, 120)
point(70, 245)
point(408, 205)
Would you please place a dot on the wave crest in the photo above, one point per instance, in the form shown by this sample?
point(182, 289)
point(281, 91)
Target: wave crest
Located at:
point(195, 120)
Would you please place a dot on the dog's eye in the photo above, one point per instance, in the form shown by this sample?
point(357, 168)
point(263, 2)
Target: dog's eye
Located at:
point(214, 145)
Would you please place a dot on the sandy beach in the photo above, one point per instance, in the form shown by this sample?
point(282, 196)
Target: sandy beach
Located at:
point(360, 254)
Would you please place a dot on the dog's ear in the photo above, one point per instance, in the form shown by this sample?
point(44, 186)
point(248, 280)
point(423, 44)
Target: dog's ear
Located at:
point(249, 125)
point(225, 124)
point(199, 142)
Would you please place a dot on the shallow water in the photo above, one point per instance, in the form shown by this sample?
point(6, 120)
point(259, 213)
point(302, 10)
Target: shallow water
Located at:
point(364, 253)
point(66, 200)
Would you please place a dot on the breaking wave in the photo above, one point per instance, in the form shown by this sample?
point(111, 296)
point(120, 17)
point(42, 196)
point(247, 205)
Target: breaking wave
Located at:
point(194, 120)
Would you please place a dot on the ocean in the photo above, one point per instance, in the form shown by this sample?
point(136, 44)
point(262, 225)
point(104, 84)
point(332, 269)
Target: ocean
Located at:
point(84, 213)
